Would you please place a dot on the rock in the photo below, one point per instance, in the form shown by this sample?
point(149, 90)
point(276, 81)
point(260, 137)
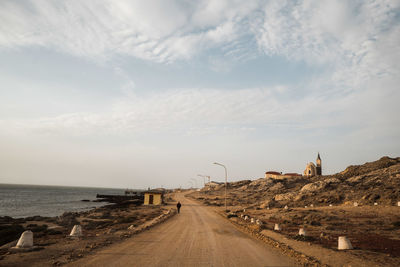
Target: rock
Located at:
point(277, 187)
point(332, 180)
point(285, 197)
point(299, 197)
point(356, 179)
point(355, 204)
point(277, 227)
point(312, 187)
point(319, 185)
point(252, 220)
point(262, 182)
point(286, 207)
point(67, 219)
point(267, 203)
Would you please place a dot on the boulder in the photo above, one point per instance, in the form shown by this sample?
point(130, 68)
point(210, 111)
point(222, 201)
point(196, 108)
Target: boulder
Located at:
point(312, 187)
point(285, 197)
point(319, 185)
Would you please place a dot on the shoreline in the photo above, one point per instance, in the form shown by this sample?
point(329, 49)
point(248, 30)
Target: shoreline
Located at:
point(101, 226)
point(20, 201)
point(75, 210)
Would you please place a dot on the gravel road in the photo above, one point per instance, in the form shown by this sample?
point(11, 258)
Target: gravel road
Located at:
point(195, 237)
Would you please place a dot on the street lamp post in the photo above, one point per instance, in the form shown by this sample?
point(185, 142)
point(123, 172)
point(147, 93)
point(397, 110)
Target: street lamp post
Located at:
point(195, 181)
point(226, 179)
point(204, 177)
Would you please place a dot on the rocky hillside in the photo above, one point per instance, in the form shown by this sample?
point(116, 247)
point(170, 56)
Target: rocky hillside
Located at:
point(372, 182)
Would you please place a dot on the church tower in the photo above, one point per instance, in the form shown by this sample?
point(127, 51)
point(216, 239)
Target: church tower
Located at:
point(319, 166)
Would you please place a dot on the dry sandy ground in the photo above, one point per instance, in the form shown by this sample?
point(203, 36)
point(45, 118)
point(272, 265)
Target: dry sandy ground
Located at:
point(195, 237)
point(373, 230)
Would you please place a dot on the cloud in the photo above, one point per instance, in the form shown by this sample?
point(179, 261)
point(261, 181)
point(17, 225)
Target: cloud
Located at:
point(161, 31)
point(354, 43)
point(357, 40)
point(181, 111)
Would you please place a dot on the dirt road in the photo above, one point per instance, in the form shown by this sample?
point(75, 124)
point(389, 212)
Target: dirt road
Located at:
point(195, 237)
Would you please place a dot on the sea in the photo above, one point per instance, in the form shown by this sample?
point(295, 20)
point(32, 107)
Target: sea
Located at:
point(19, 201)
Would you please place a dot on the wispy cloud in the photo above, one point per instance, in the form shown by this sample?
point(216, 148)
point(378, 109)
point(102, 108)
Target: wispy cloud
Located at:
point(161, 31)
point(179, 111)
point(359, 41)
point(351, 98)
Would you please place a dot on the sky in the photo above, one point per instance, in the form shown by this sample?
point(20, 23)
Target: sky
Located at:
point(138, 94)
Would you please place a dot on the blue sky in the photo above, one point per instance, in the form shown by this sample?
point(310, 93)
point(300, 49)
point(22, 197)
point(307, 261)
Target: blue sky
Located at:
point(150, 93)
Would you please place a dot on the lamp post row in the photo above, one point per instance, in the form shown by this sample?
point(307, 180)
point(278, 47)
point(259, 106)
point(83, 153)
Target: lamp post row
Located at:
point(226, 179)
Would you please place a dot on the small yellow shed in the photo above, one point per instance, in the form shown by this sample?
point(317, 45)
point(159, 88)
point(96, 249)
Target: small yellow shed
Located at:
point(153, 197)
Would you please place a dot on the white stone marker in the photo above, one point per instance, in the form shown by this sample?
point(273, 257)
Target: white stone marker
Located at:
point(258, 222)
point(302, 232)
point(252, 220)
point(375, 204)
point(277, 227)
point(26, 240)
point(312, 205)
point(246, 218)
point(344, 243)
point(330, 205)
point(305, 207)
point(76, 231)
point(398, 203)
point(355, 204)
point(286, 207)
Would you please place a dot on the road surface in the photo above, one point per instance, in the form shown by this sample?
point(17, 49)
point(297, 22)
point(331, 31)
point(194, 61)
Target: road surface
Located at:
point(195, 237)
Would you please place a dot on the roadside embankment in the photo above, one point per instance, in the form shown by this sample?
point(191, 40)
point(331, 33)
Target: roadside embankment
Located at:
point(301, 247)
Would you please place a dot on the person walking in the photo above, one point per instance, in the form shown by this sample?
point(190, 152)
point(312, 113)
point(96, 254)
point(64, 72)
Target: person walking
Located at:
point(178, 206)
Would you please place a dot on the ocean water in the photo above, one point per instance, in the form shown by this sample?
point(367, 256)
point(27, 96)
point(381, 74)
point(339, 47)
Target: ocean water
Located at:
point(29, 200)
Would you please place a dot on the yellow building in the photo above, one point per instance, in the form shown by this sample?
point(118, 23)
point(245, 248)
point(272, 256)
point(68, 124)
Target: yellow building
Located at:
point(153, 197)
